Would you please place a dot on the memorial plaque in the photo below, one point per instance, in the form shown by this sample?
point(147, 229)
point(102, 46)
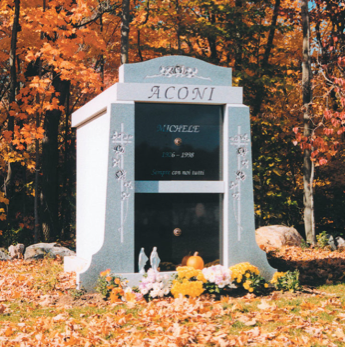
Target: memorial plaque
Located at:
point(177, 142)
point(178, 225)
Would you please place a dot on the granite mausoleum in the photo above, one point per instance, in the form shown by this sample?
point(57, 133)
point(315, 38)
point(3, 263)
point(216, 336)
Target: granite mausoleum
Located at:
point(164, 160)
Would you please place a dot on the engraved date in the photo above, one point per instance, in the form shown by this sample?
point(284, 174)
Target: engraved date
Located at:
point(174, 154)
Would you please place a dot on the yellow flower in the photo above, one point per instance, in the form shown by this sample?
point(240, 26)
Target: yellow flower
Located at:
point(243, 269)
point(251, 290)
point(266, 285)
point(201, 277)
point(276, 276)
point(186, 287)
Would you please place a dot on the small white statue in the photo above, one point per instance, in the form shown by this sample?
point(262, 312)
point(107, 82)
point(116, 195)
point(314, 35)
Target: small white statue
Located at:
point(154, 259)
point(142, 261)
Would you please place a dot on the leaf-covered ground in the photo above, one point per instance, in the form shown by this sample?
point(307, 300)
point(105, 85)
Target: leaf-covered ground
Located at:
point(40, 307)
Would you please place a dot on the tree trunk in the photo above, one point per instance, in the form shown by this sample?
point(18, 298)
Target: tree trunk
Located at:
point(213, 42)
point(37, 229)
point(125, 31)
point(50, 163)
point(264, 64)
point(37, 169)
point(13, 55)
point(308, 165)
point(68, 164)
point(101, 60)
point(8, 185)
point(138, 45)
point(238, 45)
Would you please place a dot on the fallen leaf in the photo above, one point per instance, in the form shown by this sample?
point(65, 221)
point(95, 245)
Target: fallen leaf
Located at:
point(339, 333)
point(8, 332)
point(247, 321)
point(251, 322)
point(2, 309)
point(266, 306)
point(59, 318)
point(254, 332)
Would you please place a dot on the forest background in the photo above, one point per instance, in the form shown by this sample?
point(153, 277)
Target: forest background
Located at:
point(57, 55)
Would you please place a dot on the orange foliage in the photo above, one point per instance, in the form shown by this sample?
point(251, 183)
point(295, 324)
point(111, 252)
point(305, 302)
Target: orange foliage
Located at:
point(79, 41)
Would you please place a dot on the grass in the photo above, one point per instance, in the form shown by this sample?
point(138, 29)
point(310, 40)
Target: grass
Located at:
point(39, 304)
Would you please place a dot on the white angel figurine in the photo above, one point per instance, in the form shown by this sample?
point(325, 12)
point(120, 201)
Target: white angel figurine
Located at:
point(154, 259)
point(142, 261)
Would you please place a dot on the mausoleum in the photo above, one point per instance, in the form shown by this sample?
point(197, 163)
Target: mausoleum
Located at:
point(164, 160)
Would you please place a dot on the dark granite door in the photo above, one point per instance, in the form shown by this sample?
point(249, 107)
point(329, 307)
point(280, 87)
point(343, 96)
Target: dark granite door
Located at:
point(196, 215)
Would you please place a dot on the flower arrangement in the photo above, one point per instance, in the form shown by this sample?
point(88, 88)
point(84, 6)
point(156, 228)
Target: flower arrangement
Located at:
point(218, 278)
point(154, 285)
point(286, 281)
point(189, 282)
point(113, 287)
point(248, 276)
point(193, 282)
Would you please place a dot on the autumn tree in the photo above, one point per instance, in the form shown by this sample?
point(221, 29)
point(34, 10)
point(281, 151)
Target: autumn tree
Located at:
point(320, 135)
point(308, 165)
point(57, 62)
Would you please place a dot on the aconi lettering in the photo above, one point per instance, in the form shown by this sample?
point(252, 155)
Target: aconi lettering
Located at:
point(181, 93)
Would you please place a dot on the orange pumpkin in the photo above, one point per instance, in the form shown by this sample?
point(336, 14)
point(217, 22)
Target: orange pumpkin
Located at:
point(195, 261)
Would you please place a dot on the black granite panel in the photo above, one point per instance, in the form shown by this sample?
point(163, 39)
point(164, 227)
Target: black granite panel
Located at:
point(177, 142)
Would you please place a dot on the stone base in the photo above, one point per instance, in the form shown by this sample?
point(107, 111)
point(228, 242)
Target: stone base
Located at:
point(74, 264)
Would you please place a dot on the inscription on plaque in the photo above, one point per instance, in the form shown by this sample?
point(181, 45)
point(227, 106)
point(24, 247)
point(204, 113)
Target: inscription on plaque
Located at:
point(177, 142)
point(181, 93)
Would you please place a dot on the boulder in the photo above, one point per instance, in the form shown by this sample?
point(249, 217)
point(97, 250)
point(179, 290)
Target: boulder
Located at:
point(3, 255)
point(331, 242)
point(340, 241)
point(41, 250)
point(16, 251)
point(276, 236)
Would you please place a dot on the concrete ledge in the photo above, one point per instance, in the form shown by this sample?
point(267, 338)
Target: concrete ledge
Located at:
point(135, 278)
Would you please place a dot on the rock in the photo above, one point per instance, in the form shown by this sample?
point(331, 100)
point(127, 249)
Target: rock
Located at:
point(40, 250)
point(276, 236)
point(3, 255)
point(331, 242)
point(16, 251)
point(340, 241)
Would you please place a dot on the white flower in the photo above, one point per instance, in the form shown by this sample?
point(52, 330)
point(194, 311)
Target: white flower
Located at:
point(218, 274)
point(155, 284)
